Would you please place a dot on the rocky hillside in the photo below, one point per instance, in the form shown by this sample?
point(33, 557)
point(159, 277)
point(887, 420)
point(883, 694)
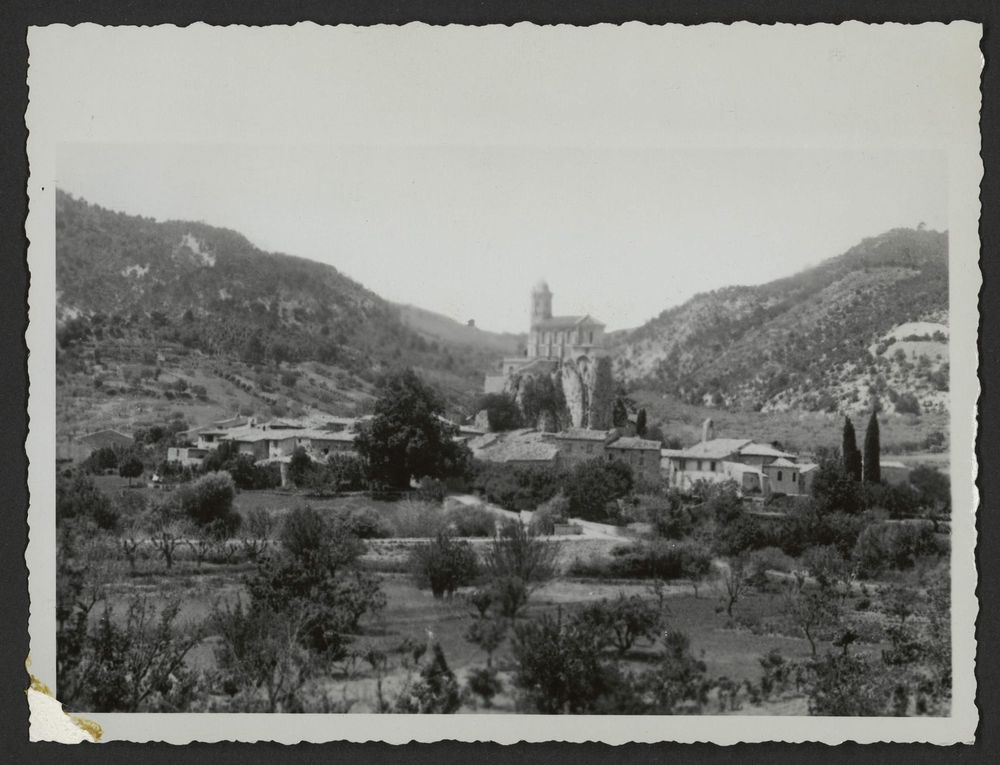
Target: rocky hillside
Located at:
point(133, 294)
point(869, 322)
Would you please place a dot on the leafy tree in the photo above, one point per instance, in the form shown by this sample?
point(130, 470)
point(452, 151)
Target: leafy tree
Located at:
point(847, 686)
point(502, 411)
point(623, 621)
point(208, 500)
point(444, 564)
point(602, 399)
point(300, 467)
point(78, 497)
point(260, 652)
point(640, 423)
point(560, 669)
point(594, 484)
point(851, 454)
point(407, 438)
point(131, 467)
point(835, 491)
point(315, 578)
point(872, 470)
point(811, 609)
point(137, 663)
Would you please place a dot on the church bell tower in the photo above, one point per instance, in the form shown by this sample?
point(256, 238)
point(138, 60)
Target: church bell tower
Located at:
point(541, 303)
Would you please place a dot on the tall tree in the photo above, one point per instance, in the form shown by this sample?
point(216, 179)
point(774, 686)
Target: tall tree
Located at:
point(603, 398)
point(872, 469)
point(640, 423)
point(407, 438)
point(850, 451)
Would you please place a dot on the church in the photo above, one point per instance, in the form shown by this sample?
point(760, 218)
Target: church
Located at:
point(552, 341)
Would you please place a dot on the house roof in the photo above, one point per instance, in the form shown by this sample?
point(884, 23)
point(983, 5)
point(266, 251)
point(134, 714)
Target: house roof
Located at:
point(715, 449)
point(583, 434)
point(567, 322)
point(105, 437)
point(634, 442)
point(671, 452)
point(763, 450)
point(807, 467)
point(516, 446)
point(781, 462)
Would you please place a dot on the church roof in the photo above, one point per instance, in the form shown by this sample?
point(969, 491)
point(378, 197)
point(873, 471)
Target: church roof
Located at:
point(566, 322)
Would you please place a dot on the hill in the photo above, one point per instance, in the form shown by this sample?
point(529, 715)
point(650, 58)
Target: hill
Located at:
point(435, 326)
point(146, 308)
point(826, 339)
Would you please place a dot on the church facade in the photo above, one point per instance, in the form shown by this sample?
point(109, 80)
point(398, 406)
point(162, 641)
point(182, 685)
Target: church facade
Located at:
point(569, 344)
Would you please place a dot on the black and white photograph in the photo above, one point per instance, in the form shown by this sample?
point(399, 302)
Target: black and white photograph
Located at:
point(518, 373)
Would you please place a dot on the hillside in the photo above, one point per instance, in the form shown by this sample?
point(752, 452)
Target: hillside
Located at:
point(435, 326)
point(147, 308)
point(826, 339)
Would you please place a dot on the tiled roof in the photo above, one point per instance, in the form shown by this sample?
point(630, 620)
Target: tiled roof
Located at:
point(763, 450)
point(583, 434)
point(566, 322)
point(516, 446)
point(716, 449)
point(634, 442)
point(781, 462)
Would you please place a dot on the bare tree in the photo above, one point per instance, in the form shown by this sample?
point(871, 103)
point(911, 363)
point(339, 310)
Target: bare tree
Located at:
point(256, 532)
point(735, 580)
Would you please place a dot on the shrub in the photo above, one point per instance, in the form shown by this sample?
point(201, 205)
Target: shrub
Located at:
point(485, 683)
point(436, 692)
point(444, 565)
point(475, 521)
point(594, 485)
point(77, 497)
point(137, 663)
point(545, 518)
point(847, 686)
point(432, 490)
point(894, 545)
point(559, 668)
point(418, 520)
point(367, 523)
point(764, 560)
point(209, 499)
point(315, 579)
point(621, 622)
point(642, 560)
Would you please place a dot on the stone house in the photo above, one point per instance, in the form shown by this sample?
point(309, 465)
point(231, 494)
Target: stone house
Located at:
point(578, 445)
point(640, 454)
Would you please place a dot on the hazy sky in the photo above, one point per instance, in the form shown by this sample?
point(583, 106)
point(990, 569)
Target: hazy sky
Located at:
point(460, 170)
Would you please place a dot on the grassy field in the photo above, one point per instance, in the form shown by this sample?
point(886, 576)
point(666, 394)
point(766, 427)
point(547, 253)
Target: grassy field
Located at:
point(730, 648)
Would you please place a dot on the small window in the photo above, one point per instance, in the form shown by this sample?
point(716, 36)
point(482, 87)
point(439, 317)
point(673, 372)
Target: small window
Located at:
point(701, 465)
point(712, 466)
point(779, 475)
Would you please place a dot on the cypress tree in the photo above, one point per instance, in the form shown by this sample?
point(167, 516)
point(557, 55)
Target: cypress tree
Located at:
point(872, 471)
point(640, 423)
point(852, 455)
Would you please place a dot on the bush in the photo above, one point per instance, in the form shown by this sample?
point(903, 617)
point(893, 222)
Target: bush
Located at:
point(516, 487)
point(475, 521)
point(432, 490)
point(418, 520)
point(444, 565)
point(593, 487)
point(642, 560)
point(621, 622)
point(545, 518)
point(436, 692)
point(366, 523)
point(315, 580)
point(136, 664)
point(209, 500)
point(78, 497)
point(887, 545)
point(559, 667)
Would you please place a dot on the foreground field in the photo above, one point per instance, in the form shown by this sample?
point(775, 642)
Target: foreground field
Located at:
point(729, 647)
